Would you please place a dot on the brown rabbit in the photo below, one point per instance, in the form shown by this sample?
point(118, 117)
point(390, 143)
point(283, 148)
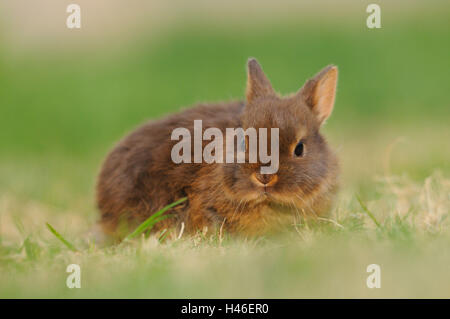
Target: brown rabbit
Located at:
point(139, 177)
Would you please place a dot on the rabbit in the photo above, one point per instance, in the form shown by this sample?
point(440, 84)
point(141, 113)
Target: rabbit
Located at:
point(139, 177)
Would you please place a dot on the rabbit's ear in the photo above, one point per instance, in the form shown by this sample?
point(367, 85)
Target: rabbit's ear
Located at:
point(258, 84)
point(320, 92)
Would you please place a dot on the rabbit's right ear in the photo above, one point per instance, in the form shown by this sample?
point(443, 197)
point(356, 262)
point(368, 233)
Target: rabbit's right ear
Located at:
point(258, 84)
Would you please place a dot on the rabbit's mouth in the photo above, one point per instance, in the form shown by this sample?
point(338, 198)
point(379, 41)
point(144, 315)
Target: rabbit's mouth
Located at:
point(270, 195)
point(266, 194)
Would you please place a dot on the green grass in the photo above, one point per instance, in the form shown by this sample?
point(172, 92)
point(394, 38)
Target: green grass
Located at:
point(61, 238)
point(60, 113)
point(150, 222)
point(317, 258)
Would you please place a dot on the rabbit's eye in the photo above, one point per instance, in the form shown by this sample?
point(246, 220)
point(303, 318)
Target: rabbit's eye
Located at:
point(299, 149)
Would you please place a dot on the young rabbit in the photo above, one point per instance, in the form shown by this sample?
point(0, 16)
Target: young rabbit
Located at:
point(139, 176)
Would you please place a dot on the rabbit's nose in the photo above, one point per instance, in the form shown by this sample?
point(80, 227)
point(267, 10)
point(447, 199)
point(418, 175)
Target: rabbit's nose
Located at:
point(265, 179)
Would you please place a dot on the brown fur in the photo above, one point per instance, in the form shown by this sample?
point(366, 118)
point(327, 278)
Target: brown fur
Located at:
point(138, 177)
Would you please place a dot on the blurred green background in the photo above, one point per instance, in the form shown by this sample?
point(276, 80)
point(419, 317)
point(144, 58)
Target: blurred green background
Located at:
point(66, 96)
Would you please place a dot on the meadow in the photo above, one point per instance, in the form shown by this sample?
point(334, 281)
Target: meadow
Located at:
point(61, 112)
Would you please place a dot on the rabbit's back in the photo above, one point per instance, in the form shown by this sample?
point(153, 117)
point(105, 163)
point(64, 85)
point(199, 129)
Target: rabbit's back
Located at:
point(138, 177)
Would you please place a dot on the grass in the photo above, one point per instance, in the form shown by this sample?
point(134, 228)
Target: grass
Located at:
point(320, 258)
point(369, 213)
point(148, 224)
point(61, 238)
point(61, 113)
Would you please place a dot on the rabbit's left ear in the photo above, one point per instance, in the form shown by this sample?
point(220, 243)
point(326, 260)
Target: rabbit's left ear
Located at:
point(258, 85)
point(320, 92)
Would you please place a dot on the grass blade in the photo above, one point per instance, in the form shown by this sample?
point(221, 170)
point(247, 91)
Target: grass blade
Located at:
point(368, 212)
point(61, 238)
point(163, 235)
point(157, 220)
point(152, 220)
